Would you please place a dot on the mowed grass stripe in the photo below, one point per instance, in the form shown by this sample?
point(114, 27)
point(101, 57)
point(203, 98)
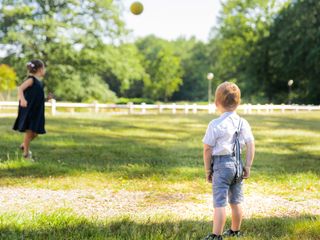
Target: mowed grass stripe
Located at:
point(155, 152)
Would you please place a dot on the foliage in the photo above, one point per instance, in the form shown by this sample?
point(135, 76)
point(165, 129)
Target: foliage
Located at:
point(7, 79)
point(258, 44)
point(59, 32)
point(196, 61)
point(162, 66)
point(135, 100)
point(122, 69)
point(291, 51)
point(241, 25)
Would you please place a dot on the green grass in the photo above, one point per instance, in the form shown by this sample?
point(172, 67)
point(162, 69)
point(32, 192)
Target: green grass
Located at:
point(161, 154)
point(62, 225)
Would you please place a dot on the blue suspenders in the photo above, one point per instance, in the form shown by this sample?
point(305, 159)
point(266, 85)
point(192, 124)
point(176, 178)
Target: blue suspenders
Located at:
point(237, 154)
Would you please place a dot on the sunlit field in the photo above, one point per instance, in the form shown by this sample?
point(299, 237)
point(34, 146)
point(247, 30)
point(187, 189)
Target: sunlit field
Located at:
point(141, 177)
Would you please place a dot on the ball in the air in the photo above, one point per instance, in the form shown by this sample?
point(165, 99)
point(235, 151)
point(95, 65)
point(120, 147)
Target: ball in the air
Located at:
point(136, 8)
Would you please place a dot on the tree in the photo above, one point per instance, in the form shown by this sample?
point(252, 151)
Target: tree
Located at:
point(162, 67)
point(196, 61)
point(7, 79)
point(242, 25)
point(291, 51)
point(59, 32)
point(122, 69)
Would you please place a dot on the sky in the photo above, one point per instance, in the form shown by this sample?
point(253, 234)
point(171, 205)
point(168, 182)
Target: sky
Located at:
point(170, 19)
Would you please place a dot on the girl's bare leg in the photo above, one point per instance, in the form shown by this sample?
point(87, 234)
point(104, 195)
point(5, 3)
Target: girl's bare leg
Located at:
point(29, 135)
point(34, 135)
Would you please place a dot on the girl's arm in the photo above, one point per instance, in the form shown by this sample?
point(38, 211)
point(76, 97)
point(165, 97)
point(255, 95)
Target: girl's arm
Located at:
point(207, 152)
point(24, 86)
point(249, 159)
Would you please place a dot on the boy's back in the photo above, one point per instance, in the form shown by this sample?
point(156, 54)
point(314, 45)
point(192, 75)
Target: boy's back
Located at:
point(222, 160)
point(220, 133)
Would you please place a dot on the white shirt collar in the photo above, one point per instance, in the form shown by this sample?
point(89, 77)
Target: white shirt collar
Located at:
point(226, 114)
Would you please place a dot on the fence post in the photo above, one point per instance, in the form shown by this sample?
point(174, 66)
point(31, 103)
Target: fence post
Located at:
point(174, 110)
point(159, 108)
point(267, 108)
point(249, 108)
point(194, 110)
point(130, 107)
point(53, 107)
point(282, 108)
point(96, 106)
point(186, 108)
point(143, 108)
point(258, 108)
point(209, 109)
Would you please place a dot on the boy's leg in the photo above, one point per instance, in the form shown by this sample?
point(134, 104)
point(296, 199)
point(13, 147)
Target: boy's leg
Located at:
point(237, 215)
point(235, 199)
point(219, 219)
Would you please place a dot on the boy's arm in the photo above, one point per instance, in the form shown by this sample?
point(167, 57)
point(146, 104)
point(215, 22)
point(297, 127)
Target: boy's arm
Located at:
point(250, 149)
point(207, 152)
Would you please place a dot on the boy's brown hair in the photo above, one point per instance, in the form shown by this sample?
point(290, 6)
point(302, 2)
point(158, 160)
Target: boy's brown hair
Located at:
point(228, 95)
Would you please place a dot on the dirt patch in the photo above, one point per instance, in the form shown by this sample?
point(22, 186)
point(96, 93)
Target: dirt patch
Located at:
point(107, 203)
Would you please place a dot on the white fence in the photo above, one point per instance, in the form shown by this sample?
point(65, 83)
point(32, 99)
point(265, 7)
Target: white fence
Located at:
point(160, 108)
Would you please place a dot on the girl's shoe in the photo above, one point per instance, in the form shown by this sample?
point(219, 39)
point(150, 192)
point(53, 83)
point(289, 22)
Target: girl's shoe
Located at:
point(213, 237)
point(230, 233)
point(28, 156)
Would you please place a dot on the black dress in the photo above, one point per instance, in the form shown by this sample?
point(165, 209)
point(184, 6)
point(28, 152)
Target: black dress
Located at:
point(32, 116)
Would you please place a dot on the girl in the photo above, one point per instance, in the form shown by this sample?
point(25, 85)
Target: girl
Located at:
point(31, 106)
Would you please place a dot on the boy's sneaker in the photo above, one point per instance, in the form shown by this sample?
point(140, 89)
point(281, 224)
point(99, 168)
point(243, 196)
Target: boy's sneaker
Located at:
point(213, 237)
point(230, 233)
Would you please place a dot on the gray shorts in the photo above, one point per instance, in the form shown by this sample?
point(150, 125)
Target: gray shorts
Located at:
point(224, 170)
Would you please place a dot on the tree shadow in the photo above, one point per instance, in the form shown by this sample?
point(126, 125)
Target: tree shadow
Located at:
point(61, 226)
point(139, 146)
point(80, 146)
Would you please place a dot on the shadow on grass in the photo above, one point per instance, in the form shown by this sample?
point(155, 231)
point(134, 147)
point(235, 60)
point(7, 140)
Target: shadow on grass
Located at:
point(80, 145)
point(142, 146)
point(64, 226)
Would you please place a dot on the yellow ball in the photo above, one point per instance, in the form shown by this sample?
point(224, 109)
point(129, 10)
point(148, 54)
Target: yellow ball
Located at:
point(136, 8)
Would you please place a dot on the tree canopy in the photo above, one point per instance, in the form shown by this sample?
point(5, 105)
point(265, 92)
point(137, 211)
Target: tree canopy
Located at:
point(258, 44)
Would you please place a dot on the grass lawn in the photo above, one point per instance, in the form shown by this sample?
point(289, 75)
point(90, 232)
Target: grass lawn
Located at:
point(158, 154)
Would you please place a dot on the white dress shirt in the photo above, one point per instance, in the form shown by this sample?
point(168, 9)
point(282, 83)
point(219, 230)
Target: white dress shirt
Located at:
point(220, 133)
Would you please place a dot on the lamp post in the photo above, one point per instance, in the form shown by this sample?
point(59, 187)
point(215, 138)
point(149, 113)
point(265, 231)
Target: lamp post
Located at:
point(210, 76)
point(290, 83)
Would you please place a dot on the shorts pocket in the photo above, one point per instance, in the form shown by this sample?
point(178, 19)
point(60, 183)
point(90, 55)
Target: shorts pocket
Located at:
point(223, 176)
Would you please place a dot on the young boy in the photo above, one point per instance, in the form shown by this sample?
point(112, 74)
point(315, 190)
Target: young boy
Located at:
point(221, 159)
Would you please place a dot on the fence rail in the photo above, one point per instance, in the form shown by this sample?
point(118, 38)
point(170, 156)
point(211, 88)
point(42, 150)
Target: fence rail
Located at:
point(143, 108)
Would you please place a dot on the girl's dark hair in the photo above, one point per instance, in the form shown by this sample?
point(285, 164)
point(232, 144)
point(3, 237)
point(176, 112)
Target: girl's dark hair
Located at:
point(34, 65)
